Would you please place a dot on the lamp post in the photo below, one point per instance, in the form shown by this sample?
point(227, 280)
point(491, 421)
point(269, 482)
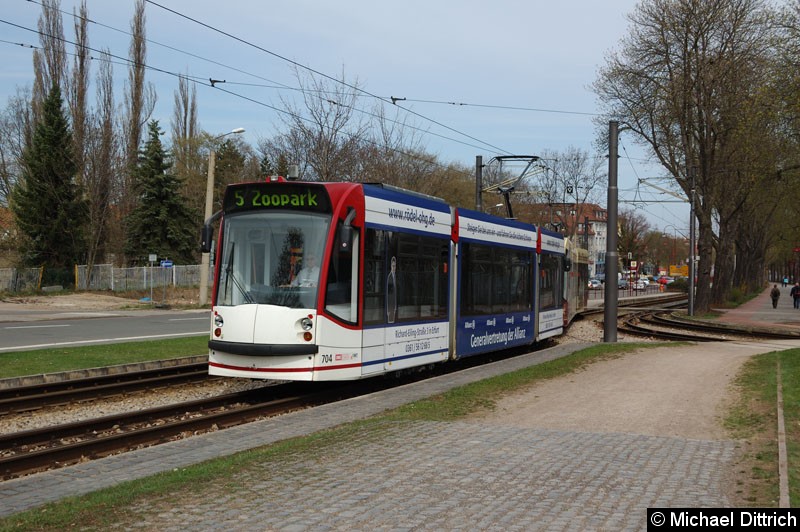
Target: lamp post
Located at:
point(212, 160)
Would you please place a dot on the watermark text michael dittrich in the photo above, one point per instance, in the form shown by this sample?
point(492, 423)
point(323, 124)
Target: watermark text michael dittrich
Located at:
point(751, 518)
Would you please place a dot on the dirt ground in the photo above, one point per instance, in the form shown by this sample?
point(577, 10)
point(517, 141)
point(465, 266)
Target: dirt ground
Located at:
point(664, 391)
point(88, 301)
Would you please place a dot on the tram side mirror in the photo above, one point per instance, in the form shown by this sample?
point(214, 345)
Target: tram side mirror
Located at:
point(205, 238)
point(346, 229)
point(567, 264)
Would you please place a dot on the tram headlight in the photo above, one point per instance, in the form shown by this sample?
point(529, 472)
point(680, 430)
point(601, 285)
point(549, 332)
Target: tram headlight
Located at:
point(218, 321)
point(306, 324)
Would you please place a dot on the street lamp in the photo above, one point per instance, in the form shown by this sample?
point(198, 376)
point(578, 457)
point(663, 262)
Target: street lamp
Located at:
point(212, 159)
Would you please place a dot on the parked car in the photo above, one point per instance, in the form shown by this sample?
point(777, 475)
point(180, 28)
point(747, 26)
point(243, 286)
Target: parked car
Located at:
point(623, 284)
point(664, 279)
point(595, 284)
point(640, 284)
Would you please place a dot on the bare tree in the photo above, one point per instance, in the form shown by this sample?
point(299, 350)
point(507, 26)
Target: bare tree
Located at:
point(139, 102)
point(395, 153)
point(571, 180)
point(50, 63)
point(77, 95)
point(16, 122)
point(102, 162)
point(190, 166)
point(325, 134)
point(633, 231)
point(678, 83)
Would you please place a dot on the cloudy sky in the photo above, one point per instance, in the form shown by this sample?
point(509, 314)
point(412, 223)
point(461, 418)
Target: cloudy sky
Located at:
point(481, 77)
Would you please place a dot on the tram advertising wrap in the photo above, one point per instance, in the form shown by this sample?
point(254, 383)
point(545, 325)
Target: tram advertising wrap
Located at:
point(495, 278)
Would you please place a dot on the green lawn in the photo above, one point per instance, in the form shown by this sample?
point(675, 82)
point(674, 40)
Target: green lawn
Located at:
point(19, 363)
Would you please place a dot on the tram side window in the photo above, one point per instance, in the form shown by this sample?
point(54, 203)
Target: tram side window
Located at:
point(521, 281)
point(476, 279)
point(405, 277)
point(420, 277)
point(495, 280)
point(374, 276)
point(341, 297)
point(432, 261)
point(549, 282)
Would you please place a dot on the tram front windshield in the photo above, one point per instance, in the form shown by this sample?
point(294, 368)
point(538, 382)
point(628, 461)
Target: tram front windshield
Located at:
point(271, 258)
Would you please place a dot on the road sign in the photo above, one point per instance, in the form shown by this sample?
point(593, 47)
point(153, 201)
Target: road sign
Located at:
point(166, 264)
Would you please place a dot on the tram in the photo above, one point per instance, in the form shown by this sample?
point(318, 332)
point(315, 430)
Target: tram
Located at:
point(342, 281)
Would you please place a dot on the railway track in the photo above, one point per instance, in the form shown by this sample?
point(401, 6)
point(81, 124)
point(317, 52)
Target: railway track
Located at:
point(675, 300)
point(35, 450)
point(667, 326)
point(31, 451)
point(35, 396)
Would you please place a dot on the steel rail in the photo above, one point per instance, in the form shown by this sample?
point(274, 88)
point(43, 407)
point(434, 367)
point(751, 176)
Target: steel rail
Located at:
point(69, 443)
point(34, 396)
point(671, 320)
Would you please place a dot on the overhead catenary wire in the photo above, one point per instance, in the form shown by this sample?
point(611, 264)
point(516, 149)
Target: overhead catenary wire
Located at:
point(201, 80)
point(317, 72)
point(282, 86)
point(207, 83)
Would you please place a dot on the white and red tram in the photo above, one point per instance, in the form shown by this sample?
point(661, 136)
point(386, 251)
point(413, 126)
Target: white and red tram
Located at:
point(342, 281)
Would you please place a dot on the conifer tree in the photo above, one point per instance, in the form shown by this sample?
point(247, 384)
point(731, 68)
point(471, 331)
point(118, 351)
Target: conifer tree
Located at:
point(161, 222)
point(46, 202)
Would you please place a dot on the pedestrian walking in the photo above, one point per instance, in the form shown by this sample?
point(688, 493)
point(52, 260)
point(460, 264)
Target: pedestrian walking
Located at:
point(785, 280)
point(775, 294)
point(795, 293)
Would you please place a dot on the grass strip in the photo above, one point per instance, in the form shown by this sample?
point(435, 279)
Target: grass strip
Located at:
point(20, 363)
point(753, 419)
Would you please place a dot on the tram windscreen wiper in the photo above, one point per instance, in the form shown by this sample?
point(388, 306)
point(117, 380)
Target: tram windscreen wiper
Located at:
point(230, 276)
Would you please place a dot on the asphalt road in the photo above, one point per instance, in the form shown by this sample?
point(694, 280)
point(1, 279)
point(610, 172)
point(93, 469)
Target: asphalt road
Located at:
point(47, 329)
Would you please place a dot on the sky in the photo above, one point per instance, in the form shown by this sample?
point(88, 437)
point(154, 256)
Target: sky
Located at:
point(481, 78)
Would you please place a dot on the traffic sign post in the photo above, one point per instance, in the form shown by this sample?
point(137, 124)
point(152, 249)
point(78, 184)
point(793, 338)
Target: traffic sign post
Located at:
point(165, 265)
point(153, 258)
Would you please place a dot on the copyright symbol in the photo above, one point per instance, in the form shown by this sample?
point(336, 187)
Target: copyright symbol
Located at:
point(657, 519)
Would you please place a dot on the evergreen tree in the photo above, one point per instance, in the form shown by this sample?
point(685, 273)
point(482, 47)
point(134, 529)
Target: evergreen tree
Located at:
point(229, 169)
point(46, 202)
point(161, 222)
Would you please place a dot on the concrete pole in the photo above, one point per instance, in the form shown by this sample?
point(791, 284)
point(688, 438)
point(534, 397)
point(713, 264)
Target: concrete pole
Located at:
point(612, 255)
point(692, 244)
point(479, 183)
point(204, 264)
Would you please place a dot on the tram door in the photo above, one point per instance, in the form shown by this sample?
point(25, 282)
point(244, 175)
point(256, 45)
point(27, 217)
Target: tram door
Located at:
point(377, 270)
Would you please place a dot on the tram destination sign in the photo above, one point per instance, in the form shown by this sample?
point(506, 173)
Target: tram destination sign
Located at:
point(276, 196)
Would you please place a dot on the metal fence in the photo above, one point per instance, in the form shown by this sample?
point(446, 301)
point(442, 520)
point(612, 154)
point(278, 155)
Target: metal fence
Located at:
point(20, 279)
point(106, 277)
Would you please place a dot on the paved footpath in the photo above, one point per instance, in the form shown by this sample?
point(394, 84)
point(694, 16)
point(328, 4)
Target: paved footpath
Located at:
point(415, 476)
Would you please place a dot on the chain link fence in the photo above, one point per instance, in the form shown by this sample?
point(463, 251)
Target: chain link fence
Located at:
point(107, 277)
point(20, 279)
